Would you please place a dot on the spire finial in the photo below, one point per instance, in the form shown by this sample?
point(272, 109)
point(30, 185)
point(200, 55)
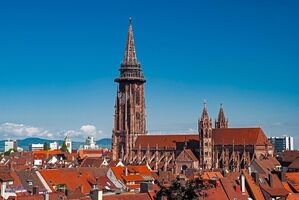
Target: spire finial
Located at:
point(204, 103)
point(130, 20)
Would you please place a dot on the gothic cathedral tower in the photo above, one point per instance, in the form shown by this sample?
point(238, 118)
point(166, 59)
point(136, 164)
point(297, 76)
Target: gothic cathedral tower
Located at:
point(205, 138)
point(129, 116)
point(222, 122)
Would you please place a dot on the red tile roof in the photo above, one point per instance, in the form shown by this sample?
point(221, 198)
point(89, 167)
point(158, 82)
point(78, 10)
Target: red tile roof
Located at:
point(92, 153)
point(128, 196)
point(92, 162)
point(4, 177)
point(286, 186)
point(253, 188)
point(293, 196)
point(191, 154)
point(226, 136)
point(294, 164)
point(105, 183)
point(211, 175)
point(229, 186)
point(45, 152)
point(119, 172)
point(133, 178)
point(31, 197)
point(240, 136)
point(72, 178)
point(277, 188)
point(290, 156)
point(52, 196)
point(293, 180)
point(135, 174)
point(163, 141)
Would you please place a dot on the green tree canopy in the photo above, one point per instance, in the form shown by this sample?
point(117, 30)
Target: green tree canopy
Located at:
point(46, 146)
point(64, 147)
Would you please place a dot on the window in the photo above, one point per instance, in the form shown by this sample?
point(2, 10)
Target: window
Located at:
point(138, 96)
point(184, 167)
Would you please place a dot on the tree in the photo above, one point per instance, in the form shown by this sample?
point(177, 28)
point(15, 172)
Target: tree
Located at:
point(46, 146)
point(64, 147)
point(183, 190)
point(10, 151)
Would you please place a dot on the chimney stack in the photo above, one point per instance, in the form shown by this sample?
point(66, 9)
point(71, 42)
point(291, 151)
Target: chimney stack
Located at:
point(126, 171)
point(256, 178)
point(46, 196)
point(243, 187)
point(270, 178)
point(35, 190)
point(96, 194)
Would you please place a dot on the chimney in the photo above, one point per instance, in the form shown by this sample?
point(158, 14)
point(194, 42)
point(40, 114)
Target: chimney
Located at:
point(3, 188)
point(256, 178)
point(126, 171)
point(81, 188)
point(145, 187)
point(46, 196)
point(243, 187)
point(282, 176)
point(270, 179)
point(35, 190)
point(97, 194)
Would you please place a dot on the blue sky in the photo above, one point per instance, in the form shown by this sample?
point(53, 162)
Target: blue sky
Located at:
point(58, 60)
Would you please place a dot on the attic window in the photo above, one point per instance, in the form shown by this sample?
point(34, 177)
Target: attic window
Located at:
point(29, 182)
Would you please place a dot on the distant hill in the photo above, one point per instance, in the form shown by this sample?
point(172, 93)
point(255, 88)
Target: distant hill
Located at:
point(24, 143)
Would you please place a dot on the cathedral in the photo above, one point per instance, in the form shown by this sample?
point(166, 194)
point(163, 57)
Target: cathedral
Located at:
point(221, 147)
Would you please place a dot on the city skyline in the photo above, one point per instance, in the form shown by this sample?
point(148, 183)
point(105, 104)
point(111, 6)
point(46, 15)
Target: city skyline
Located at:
point(58, 77)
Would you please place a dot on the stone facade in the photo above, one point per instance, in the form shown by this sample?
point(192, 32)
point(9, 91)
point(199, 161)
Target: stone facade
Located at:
point(129, 116)
point(229, 149)
point(205, 142)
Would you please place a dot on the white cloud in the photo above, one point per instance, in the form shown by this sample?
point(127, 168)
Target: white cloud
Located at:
point(13, 130)
point(91, 130)
point(20, 131)
point(88, 129)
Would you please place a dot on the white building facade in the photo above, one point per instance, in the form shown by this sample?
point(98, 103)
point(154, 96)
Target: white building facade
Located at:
point(90, 143)
point(10, 144)
point(68, 143)
point(36, 147)
point(53, 145)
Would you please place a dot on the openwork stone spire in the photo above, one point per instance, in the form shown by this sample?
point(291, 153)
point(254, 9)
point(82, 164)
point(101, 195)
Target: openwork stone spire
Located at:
point(130, 69)
point(130, 57)
point(205, 114)
point(222, 121)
